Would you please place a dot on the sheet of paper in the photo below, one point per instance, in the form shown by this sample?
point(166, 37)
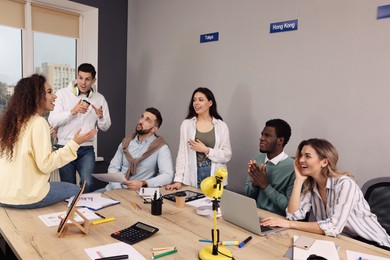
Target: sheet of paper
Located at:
point(352, 255)
point(93, 201)
point(54, 219)
point(148, 193)
point(201, 202)
point(110, 177)
point(322, 248)
point(114, 249)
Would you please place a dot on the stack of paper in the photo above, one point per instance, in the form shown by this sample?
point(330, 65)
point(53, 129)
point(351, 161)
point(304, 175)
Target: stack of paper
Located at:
point(324, 248)
point(352, 255)
point(93, 201)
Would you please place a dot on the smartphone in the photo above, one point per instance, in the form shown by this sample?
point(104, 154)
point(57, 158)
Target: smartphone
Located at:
point(304, 242)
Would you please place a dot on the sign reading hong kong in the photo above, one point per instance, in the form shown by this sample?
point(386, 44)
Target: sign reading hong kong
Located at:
point(285, 26)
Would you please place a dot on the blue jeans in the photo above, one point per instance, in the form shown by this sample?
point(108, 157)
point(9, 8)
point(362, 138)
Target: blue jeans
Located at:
point(59, 191)
point(84, 164)
point(204, 169)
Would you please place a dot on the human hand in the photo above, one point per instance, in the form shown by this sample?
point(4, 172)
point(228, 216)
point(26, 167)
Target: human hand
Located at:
point(297, 169)
point(174, 186)
point(198, 146)
point(133, 184)
point(275, 222)
point(258, 174)
point(82, 138)
point(98, 111)
point(78, 108)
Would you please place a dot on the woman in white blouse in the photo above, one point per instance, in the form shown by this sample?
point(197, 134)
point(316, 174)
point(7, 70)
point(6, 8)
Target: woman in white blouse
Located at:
point(333, 196)
point(204, 141)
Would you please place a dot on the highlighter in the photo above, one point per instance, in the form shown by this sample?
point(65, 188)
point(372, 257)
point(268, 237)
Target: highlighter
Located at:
point(102, 221)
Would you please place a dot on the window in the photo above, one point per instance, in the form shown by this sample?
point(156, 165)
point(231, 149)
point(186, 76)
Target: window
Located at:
point(55, 57)
point(10, 63)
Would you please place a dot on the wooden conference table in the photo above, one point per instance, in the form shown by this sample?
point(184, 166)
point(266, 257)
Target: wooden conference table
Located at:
point(31, 239)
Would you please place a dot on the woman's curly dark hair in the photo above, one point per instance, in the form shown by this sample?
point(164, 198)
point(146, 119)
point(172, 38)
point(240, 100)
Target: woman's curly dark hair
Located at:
point(29, 93)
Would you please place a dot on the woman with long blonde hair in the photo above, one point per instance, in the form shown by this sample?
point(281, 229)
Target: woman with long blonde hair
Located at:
point(334, 197)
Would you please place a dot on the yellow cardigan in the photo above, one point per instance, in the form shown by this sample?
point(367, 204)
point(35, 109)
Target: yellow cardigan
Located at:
point(24, 180)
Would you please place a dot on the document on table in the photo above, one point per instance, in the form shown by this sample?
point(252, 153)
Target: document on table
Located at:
point(324, 248)
point(114, 249)
point(54, 219)
point(352, 255)
point(93, 201)
point(110, 177)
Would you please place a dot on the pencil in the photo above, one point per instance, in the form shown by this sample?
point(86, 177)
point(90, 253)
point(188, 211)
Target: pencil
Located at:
point(134, 206)
point(139, 206)
point(164, 254)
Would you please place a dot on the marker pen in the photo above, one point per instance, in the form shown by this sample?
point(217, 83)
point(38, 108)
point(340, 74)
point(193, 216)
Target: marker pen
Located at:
point(244, 242)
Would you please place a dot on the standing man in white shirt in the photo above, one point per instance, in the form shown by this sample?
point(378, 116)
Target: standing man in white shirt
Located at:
point(79, 106)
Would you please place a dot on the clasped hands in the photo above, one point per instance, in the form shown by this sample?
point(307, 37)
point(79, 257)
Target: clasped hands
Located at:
point(258, 174)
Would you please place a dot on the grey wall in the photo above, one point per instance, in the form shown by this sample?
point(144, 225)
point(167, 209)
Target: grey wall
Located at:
point(111, 74)
point(329, 79)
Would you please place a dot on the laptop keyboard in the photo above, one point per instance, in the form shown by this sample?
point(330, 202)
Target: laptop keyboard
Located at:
point(264, 228)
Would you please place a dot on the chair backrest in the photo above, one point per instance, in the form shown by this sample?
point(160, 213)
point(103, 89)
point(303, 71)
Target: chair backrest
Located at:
point(377, 194)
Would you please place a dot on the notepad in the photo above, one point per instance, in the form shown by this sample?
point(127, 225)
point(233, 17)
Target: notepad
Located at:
point(93, 201)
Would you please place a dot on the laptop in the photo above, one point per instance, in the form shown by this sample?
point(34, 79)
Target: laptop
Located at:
point(242, 211)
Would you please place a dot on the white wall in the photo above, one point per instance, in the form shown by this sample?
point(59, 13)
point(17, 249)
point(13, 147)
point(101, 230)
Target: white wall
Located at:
point(329, 79)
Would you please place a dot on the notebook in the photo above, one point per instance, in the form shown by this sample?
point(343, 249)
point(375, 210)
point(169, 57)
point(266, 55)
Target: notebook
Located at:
point(242, 211)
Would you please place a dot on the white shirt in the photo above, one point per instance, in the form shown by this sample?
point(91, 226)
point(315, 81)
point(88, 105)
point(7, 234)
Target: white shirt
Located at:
point(186, 164)
point(280, 157)
point(346, 211)
point(68, 124)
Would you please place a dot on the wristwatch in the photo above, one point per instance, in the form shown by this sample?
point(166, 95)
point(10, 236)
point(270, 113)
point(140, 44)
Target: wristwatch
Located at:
point(144, 183)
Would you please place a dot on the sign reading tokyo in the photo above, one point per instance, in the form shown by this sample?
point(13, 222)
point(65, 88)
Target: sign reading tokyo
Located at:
point(209, 37)
point(285, 26)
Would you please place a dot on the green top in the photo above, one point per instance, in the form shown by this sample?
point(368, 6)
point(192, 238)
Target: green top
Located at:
point(281, 179)
point(208, 139)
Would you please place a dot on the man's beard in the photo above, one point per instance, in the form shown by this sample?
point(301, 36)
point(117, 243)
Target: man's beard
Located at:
point(143, 131)
point(269, 149)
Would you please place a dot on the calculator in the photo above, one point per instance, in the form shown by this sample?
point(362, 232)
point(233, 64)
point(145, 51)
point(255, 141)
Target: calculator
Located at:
point(135, 233)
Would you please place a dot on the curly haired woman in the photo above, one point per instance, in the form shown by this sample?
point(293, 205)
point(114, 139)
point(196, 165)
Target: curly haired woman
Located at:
point(26, 157)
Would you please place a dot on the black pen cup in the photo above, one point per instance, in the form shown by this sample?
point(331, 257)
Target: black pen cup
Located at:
point(157, 207)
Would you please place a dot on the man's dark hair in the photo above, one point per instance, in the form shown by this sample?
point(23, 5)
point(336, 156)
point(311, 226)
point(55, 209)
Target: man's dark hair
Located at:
point(157, 113)
point(282, 129)
point(86, 67)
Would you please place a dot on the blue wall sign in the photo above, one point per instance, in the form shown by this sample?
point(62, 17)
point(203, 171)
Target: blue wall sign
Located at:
point(291, 25)
point(383, 12)
point(209, 37)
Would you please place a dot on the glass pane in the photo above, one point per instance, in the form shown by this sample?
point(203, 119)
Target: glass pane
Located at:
point(55, 57)
point(10, 62)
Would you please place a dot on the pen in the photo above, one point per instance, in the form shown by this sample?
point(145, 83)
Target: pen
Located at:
point(103, 221)
point(115, 257)
point(164, 254)
point(206, 240)
point(100, 215)
point(244, 242)
point(138, 206)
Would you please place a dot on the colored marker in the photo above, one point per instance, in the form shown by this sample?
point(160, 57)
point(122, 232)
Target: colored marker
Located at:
point(140, 208)
point(164, 254)
point(229, 243)
point(100, 215)
point(115, 257)
point(244, 242)
point(103, 221)
point(206, 240)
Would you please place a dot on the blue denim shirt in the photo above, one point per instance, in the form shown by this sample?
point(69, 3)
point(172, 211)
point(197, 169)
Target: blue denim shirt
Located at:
point(157, 169)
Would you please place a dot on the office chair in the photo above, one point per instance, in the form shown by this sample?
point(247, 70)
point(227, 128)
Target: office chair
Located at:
point(377, 194)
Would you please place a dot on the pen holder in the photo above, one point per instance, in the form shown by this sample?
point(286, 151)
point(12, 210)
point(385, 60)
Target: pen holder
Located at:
point(157, 207)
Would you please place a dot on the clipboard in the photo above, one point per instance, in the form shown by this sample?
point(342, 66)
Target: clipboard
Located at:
point(64, 225)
